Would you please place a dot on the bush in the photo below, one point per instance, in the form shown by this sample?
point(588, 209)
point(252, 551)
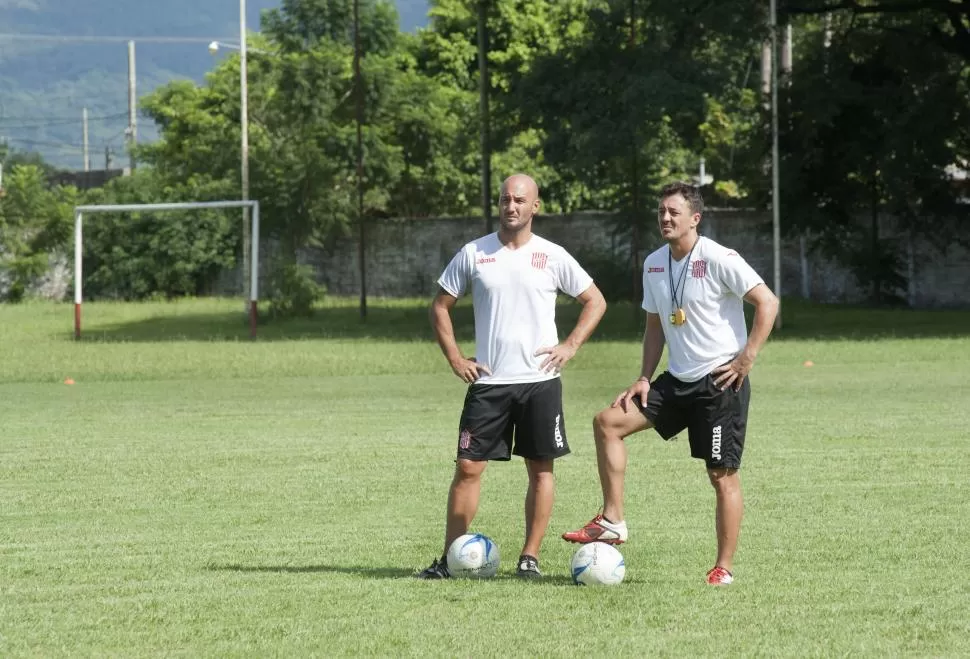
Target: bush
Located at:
point(293, 291)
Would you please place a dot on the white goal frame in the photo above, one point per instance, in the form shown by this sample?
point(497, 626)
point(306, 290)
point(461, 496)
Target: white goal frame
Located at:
point(80, 211)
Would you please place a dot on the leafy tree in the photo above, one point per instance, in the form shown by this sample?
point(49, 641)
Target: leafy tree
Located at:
point(944, 24)
point(519, 33)
point(35, 222)
point(873, 122)
point(142, 254)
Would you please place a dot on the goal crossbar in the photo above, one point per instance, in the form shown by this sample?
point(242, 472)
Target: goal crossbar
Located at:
point(250, 204)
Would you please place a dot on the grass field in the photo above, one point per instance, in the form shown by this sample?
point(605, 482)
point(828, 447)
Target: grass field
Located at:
point(198, 494)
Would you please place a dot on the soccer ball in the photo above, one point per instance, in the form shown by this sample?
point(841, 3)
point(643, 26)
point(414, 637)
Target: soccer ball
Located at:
point(598, 564)
point(473, 556)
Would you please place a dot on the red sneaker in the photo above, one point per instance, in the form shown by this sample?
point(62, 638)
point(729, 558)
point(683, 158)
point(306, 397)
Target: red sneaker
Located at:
point(598, 530)
point(718, 576)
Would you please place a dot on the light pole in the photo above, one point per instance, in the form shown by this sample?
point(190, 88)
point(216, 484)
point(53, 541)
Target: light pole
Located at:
point(244, 140)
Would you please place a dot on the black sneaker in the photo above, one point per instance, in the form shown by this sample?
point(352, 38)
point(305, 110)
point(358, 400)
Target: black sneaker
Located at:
point(528, 567)
point(437, 570)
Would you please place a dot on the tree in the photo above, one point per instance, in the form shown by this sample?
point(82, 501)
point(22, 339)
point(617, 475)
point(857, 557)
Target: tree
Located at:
point(874, 121)
point(519, 33)
point(35, 221)
point(142, 254)
point(942, 23)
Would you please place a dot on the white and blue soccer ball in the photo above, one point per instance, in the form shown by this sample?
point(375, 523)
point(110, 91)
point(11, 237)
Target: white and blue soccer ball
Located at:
point(598, 564)
point(473, 556)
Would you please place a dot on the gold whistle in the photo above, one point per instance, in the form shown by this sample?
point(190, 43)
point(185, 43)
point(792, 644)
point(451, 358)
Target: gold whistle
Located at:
point(678, 317)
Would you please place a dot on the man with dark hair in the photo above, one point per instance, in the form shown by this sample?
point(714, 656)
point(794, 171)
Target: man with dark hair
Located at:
point(693, 294)
point(514, 400)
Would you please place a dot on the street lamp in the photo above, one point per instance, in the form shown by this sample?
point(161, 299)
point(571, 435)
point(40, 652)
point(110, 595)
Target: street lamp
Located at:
point(216, 45)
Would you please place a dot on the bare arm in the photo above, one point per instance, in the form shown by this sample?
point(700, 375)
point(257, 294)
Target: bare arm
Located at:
point(594, 306)
point(444, 330)
point(653, 346)
point(765, 310)
point(653, 349)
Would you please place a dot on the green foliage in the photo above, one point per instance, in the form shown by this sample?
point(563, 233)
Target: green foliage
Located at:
point(35, 222)
point(293, 291)
point(146, 254)
point(869, 132)
point(636, 94)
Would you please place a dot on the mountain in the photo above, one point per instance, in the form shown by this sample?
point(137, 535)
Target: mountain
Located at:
point(57, 59)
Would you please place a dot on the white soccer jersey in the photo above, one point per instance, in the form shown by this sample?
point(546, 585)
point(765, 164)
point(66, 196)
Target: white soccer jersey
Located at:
point(710, 288)
point(514, 295)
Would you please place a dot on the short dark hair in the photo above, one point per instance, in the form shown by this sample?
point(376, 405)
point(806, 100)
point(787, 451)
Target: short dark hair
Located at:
point(689, 192)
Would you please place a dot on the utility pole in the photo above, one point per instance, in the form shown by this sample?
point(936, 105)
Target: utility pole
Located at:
point(486, 138)
point(132, 107)
point(84, 128)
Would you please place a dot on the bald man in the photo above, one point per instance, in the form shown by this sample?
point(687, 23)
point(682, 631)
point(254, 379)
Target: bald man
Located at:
point(514, 401)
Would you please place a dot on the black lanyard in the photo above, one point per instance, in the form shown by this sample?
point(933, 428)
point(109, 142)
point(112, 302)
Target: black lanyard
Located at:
point(678, 302)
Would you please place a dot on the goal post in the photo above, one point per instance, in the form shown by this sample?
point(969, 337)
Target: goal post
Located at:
point(81, 211)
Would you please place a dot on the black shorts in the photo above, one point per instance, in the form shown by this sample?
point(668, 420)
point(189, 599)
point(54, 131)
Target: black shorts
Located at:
point(502, 420)
point(715, 420)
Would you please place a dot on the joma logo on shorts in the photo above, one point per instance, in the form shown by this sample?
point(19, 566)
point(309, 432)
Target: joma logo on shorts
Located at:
point(559, 442)
point(716, 443)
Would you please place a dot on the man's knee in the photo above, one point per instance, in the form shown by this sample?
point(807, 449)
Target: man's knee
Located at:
point(469, 470)
point(724, 479)
point(614, 422)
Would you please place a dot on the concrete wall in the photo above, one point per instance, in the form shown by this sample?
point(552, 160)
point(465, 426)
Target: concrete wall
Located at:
point(404, 257)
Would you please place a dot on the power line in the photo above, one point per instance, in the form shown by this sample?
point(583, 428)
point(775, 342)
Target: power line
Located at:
point(29, 142)
point(62, 38)
point(60, 121)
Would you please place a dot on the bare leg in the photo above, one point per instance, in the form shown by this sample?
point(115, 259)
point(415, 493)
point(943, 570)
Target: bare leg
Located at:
point(610, 427)
point(727, 513)
point(463, 497)
point(538, 504)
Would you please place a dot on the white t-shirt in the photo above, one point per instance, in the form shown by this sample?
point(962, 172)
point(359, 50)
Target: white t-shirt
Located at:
point(514, 296)
point(710, 292)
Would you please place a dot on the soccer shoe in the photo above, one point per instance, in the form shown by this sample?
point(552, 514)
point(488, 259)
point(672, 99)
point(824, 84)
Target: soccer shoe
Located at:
point(598, 530)
point(718, 576)
point(528, 567)
point(437, 570)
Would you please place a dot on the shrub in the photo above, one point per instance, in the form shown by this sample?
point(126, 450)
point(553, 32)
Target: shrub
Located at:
point(293, 291)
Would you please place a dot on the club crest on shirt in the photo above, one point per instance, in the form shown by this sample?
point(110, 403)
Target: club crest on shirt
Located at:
point(698, 269)
point(539, 260)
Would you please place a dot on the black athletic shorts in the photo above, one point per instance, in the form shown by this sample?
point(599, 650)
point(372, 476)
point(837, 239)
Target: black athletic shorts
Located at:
point(502, 420)
point(715, 420)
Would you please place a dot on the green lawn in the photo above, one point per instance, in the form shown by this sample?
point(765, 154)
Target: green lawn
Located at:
point(199, 494)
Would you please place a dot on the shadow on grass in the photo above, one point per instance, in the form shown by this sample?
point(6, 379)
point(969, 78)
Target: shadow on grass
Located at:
point(624, 321)
point(392, 322)
point(370, 572)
